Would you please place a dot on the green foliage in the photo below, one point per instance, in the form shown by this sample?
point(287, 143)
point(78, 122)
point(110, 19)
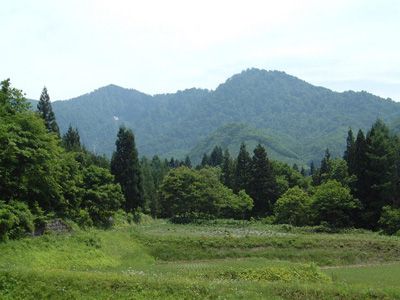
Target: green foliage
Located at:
point(71, 139)
point(37, 171)
point(296, 273)
point(262, 187)
point(288, 177)
point(15, 220)
point(186, 192)
point(12, 100)
point(281, 106)
point(380, 178)
point(227, 170)
point(30, 157)
point(216, 157)
point(390, 220)
point(84, 219)
point(126, 169)
point(46, 112)
point(293, 207)
point(332, 203)
point(242, 169)
point(161, 260)
point(101, 197)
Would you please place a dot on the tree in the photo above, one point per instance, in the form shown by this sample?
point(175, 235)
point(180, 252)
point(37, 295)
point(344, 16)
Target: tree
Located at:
point(325, 166)
point(242, 170)
point(262, 186)
point(380, 172)
point(126, 169)
point(216, 157)
point(312, 168)
point(205, 161)
point(101, 196)
point(349, 153)
point(187, 162)
point(30, 160)
point(333, 204)
point(16, 220)
point(360, 188)
point(293, 207)
point(390, 220)
point(71, 139)
point(227, 170)
point(12, 100)
point(149, 188)
point(46, 112)
point(192, 194)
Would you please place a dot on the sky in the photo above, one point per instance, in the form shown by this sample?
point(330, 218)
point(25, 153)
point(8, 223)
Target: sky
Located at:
point(73, 47)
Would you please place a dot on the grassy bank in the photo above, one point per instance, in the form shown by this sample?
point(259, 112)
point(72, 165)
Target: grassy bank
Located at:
point(215, 261)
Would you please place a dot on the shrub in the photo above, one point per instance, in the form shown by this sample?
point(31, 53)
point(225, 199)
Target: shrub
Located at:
point(16, 220)
point(83, 219)
point(390, 220)
point(187, 194)
point(332, 203)
point(141, 218)
point(293, 207)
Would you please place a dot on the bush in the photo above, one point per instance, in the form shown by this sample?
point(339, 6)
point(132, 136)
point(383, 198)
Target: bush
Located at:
point(333, 205)
point(187, 194)
point(293, 207)
point(16, 220)
point(140, 218)
point(84, 220)
point(390, 220)
point(191, 217)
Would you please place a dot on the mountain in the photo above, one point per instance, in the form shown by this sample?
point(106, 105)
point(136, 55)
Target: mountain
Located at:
point(294, 119)
point(230, 137)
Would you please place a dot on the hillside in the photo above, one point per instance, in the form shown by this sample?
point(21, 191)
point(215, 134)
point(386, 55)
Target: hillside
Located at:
point(296, 116)
point(227, 260)
point(230, 136)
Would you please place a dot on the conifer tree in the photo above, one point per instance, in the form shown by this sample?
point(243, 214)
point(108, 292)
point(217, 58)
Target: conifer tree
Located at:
point(126, 169)
point(46, 112)
point(227, 170)
point(205, 161)
point(263, 186)
point(216, 157)
point(349, 153)
point(380, 172)
point(187, 162)
point(325, 162)
point(324, 170)
point(242, 170)
point(71, 139)
point(312, 168)
point(303, 171)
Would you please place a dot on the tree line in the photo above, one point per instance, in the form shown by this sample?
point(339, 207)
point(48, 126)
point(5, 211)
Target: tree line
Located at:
point(45, 175)
point(361, 189)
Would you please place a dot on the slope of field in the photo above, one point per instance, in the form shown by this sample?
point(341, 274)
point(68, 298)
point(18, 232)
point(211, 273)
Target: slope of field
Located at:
point(223, 259)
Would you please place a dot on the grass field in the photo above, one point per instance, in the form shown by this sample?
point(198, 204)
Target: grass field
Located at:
point(222, 260)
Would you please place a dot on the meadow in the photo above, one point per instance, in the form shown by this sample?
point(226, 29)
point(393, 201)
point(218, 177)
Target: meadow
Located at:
point(212, 260)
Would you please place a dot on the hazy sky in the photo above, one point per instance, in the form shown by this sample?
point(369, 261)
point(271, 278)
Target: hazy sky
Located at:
point(76, 46)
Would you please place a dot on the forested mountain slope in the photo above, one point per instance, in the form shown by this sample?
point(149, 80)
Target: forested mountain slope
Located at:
point(287, 113)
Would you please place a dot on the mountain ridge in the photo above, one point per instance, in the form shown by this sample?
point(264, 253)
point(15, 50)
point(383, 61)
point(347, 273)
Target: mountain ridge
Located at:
point(173, 124)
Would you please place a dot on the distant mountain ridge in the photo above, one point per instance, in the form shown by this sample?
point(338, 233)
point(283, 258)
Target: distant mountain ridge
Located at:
point(288, 113)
